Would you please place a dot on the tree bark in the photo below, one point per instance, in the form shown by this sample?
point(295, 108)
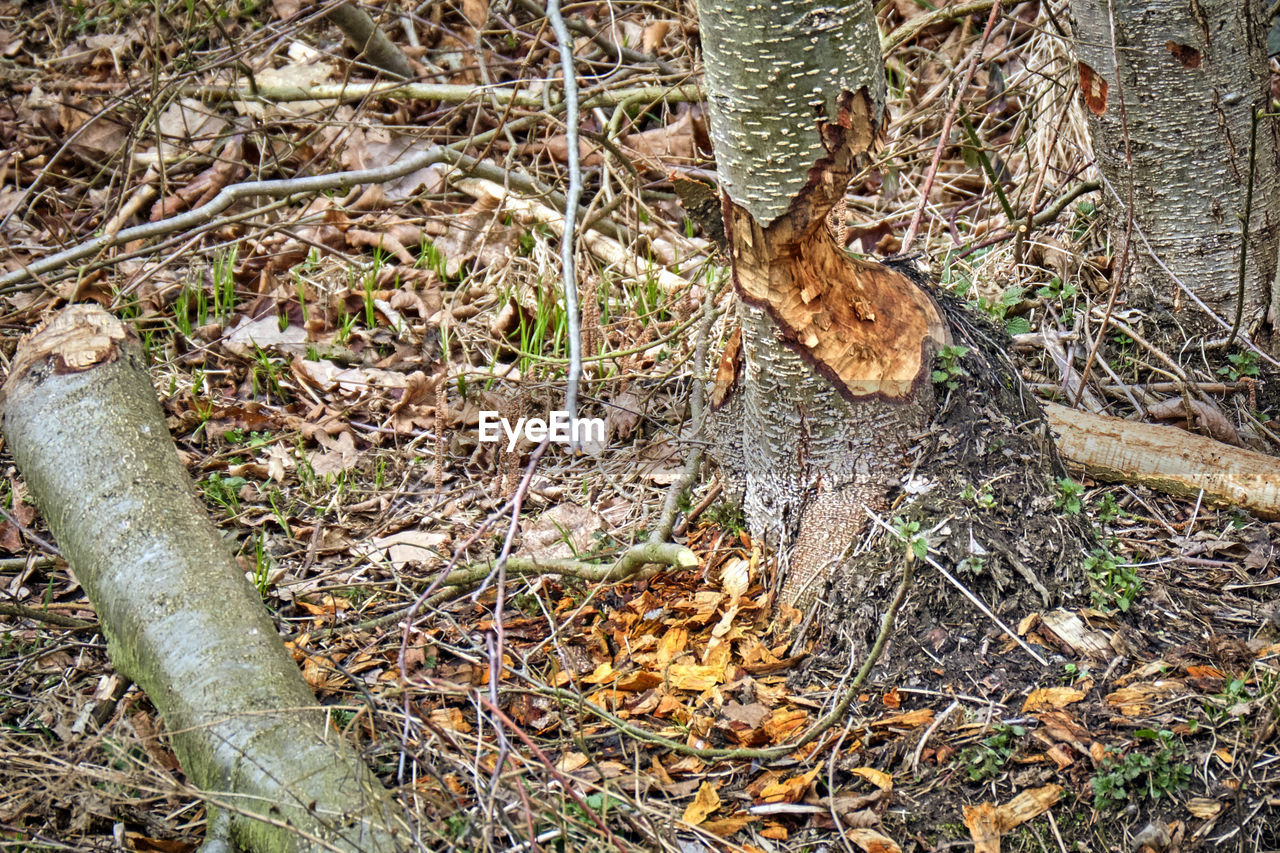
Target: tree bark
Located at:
point(824, 401)
point(1192, 74)
point(835, 353)
point(81, 419)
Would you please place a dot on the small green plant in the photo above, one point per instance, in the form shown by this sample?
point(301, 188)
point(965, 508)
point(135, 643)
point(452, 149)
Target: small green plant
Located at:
point(1115, 583)
point(1069, 496)
point(223, 491)
point(999, 309)
point(1240, 365)
point(301, 287)
point(1058, 291)
point(949, 370)
point(261, 566)
point(280, 511)
point(985, 760)
point(909, 532)
point(251, 440)
point(1085, 213)
point(431, 258)
point(545, 335)
point(345, 324)
point(265, 373)
point(224, 284)
point(1122, 778)
point(982, 498)
point(1108, 509)
point(1231, 704)
point(1061, 293)
point(190, 309)
point(727, 515)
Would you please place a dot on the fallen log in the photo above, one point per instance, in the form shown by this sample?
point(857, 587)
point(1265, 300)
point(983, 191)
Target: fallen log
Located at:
point(81, 419)
point(1167, 459)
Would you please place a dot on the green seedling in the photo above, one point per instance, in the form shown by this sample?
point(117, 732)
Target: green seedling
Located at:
point(1123, 779)
point(949, 371)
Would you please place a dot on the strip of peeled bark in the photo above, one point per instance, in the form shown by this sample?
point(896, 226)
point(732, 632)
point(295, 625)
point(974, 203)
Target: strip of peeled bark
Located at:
point(831, 382)
point(1192, 74)
point(81, 419)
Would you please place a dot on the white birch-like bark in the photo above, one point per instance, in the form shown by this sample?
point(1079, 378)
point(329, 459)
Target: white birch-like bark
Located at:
point(1192, 73)
point(773, 70)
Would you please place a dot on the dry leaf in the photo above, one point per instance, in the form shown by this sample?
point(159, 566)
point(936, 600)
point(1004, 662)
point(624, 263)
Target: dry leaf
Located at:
point(692, 676)
point(987, 822)
point(450, 719)
point(909, 720)
point(980, 820)
point(706, 801)
point(872, 841)
point(410, 545)
point(476, 12)
point(339, 454)
point(1204, 808)
point(789, 790)
point(672, 644)
point(247, 336)
point(726, 826)
point(879, 778)
point(561, 532)
point(735, 579)
point(477, 234)
point(1184, 53)
point(783, 723)
point(749, 715)
point(1203, 414)
point(1051, 697)
point(1094, 89)
point(654, 35)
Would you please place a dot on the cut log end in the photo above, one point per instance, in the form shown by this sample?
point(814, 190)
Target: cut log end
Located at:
point(78, 338)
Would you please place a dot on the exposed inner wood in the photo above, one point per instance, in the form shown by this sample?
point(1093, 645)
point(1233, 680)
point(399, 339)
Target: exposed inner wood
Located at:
point(864, 326)
point(865, 329)
point(77, 338)
point(1168, 459)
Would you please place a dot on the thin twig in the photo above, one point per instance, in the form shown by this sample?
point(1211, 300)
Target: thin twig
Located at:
point(573, 321)
point(27, 532)
point(922, 22)
point(1187, 290)
point(1248, 214)
point(697, 401)
point(41, 615)
point(945, 135)
point(1121, 271)
point(282, 187)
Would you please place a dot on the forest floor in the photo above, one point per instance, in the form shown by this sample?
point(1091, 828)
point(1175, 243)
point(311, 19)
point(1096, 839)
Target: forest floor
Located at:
point(323, 360)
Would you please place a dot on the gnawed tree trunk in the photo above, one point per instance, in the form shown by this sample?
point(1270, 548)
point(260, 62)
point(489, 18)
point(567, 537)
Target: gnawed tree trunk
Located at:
point(81, 420)
point(830, 400)
point(1191, 74)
